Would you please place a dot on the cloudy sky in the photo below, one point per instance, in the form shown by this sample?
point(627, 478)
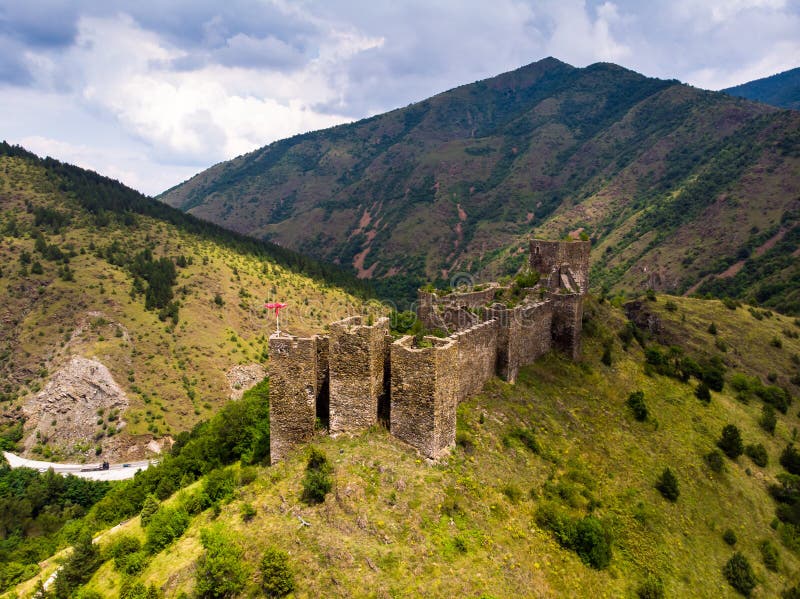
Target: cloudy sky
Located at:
point(151, 92)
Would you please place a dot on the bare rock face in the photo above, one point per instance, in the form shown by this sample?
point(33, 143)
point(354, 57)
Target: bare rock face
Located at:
point(66, 412)
point(243, 377)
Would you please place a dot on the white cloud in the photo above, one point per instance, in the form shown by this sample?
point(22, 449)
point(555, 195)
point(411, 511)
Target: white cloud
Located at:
point(152, 92)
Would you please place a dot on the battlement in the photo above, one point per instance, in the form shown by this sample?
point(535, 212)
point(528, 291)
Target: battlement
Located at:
point(357, 375)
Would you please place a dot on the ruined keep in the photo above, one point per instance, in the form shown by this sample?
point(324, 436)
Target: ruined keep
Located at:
point(358, 373)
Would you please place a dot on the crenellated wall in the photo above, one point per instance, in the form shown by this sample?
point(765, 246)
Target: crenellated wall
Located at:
point(424, 394)
point(357, 364)
point(298, 375)
point(451, 311)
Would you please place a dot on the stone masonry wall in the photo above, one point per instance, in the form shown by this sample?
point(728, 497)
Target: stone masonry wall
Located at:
point(548, 257)
point(437, 312)
point(295, 382)
point(357, 360)
point(477, 357)
point(524, 335)
point(424, 387)
point(567, 322)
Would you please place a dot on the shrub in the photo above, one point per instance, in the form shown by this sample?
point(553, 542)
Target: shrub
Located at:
point(712, 329)
point(592, 542)
point(768, 419)
point(219, 484)
point(220, 570)
point(715, 460)
point(166, 525)
point(740, 574)
point(702, 392)
point(671, 306)
point(606, 357)
point(277, 579)
point(667, 485)
point(79, 567)
point(731, 441)
point(790, 459)
point(729, 537)
point(586, 536)
point(149, 507)
point(248, 512)
point(131, 589)
point(318, 479)
point(651, 588)
point(757, 453)
point(637, 406)
point(769, 555)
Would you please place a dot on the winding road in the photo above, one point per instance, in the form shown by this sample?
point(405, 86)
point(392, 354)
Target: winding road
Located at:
point(114, 472)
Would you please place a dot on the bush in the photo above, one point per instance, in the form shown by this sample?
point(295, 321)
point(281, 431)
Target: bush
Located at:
point(585, 536)
point(757, 453)
point(740, 574)
point(81, 565)
point(512, 492)
point(637, 406)
point(768, 419)
point(651, 588)
point(248, 512)
point(729, 537)
point(769, 555)
point(667, 485)
point(702, 392)
point(731, 441)
point(150, 507)
point(715, 460)
point(131, 589)
point(790, 459)
point(220, 570)
point(166, 525)
point(712, 329)
point(219, 484)
point(277, 579)
point(318, 479)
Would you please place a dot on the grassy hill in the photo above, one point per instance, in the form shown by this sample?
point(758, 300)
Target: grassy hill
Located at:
point(86, 266)
point(559, 452)
point(650, 170)
point(782, 89)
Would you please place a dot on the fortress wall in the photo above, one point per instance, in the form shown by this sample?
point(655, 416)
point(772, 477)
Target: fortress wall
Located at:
point(357, 357)
point(295, 384)
point(440, 312)
point(423, 394)
point(477, 357)
point(534, 332)
point(567, 322)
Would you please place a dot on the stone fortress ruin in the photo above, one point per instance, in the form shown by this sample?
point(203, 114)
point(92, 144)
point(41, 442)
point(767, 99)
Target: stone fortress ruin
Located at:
point(357, 374)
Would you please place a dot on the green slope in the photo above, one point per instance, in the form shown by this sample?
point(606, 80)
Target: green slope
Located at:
point(561, 441)
point(79, 256)
point(651, 170)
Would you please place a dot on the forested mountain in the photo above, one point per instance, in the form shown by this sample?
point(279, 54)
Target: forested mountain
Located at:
point(782, 90)
point(676, 186)
point(154, 315)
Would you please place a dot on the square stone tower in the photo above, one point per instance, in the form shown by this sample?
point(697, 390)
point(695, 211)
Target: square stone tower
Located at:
point(357, 363)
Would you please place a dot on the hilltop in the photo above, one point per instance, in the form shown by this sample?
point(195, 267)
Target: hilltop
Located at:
point(562, 448)
point(782, 89)
point(125, 321)
point(649, 169)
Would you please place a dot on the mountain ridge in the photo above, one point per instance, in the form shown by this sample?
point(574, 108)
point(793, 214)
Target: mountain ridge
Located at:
point(781, 89)
point(455, 183)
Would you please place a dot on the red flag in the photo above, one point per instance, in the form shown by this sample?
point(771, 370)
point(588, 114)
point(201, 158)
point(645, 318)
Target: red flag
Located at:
point(275, 306)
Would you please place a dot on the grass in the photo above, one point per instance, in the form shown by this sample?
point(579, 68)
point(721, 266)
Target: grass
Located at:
point(397, 526)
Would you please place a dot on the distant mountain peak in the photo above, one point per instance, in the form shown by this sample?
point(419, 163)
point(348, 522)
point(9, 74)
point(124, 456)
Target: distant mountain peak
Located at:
point(781, 90)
